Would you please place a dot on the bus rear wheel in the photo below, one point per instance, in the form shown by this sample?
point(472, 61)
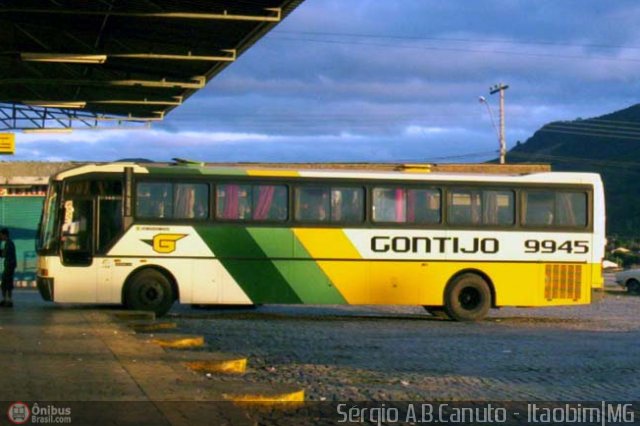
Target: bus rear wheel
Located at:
point(467, 298)
point(149, 290)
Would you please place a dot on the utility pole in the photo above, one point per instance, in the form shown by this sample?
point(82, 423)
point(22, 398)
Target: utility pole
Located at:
point(500, 88)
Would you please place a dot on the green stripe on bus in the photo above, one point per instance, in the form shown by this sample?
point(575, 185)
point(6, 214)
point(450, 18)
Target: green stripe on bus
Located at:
point(257, 275)
point(306, 278)
point(182, 171)
point(227, 171)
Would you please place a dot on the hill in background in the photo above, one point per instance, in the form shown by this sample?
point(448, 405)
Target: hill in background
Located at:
point(609, 145)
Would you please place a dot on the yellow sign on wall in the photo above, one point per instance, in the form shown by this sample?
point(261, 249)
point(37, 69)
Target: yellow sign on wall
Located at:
point(7, 143)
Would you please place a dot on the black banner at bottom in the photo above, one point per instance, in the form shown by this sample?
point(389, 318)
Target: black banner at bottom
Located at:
point(597, 413)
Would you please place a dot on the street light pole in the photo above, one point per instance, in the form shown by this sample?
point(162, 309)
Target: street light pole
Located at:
point(500, 88)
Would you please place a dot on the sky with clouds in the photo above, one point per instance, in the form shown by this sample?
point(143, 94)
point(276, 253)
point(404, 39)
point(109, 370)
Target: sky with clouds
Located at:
point(369, 80)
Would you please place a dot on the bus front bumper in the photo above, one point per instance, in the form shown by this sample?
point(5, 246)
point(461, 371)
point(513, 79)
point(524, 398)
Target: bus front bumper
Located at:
point(45, 287)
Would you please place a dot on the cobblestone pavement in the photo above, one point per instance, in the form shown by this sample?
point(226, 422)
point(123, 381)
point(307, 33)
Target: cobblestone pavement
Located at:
point(401, 353)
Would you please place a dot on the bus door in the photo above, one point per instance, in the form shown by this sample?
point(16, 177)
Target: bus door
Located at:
point(76, 251)
point(108, 230)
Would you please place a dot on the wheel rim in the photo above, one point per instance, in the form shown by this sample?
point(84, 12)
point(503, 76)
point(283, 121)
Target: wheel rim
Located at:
point(634, 287)
point(469, 298)
point(151, 293)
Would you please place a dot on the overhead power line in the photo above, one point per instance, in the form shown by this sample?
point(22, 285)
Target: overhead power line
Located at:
point(455, 157)
point(456, 49)
point(458, 40)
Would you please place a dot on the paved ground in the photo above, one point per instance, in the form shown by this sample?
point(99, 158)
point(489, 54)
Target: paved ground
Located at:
point(55, 354)
point(400, 353)
point(84, 360)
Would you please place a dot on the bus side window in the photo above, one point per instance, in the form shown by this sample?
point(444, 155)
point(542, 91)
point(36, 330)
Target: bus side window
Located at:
point(280, 204)
point(191, 201)
point(464, 207)
point(270, 202)
point(498, 208)
point(347, 205)
point(233, 201)
point(313, 204)
point(258, 203)
point(389, 205)
point(154, 200)
point(402, 205)
point(572, 208)
point(423, 206)
point(539, 207)
point(555, 208)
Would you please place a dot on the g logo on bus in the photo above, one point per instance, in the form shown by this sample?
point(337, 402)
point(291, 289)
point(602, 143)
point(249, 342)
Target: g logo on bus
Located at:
point(165, 243)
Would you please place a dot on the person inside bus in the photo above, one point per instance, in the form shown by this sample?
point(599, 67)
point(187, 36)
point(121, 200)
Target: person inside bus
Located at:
point(540, 215)
point(350, 208)
point(313, 206)
point(313, 212)
point(10, 263)
point(321, 214)
point(201, 209)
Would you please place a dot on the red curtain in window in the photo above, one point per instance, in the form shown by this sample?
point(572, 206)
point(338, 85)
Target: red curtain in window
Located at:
point(231, 208)
point(265, 198)
point(400, 205)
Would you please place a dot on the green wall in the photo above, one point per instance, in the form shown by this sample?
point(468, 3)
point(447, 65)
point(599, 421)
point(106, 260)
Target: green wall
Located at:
point(21, 215)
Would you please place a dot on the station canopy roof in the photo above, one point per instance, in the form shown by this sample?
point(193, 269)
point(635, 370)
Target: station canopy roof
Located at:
point(71, 63)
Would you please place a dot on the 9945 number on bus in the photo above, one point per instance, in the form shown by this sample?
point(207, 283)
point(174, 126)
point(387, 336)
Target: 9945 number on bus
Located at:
point(552, 246)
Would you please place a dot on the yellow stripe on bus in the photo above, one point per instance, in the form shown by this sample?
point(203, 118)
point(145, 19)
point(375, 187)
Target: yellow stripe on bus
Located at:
point(349, 278)
point(423, 282)
point(327, 243)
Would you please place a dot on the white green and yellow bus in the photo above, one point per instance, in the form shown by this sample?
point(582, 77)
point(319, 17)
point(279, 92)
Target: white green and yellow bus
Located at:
point(148, 234)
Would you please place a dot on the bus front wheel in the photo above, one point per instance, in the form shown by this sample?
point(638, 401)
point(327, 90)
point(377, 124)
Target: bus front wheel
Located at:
point(467, 298)
point(149, 290)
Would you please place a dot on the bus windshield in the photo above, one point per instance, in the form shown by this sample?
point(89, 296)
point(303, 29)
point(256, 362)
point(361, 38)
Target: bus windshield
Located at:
point(49, 232)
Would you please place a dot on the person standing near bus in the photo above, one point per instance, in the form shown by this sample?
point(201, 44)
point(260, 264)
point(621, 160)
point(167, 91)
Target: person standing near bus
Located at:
point(10, 263)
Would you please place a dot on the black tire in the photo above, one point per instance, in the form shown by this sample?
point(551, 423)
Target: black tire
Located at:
point(467, 298)
point(149, 290)
point(437, 312)
point(633, 286)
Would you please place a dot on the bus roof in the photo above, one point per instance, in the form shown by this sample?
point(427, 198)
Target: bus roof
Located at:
point(257, 170)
